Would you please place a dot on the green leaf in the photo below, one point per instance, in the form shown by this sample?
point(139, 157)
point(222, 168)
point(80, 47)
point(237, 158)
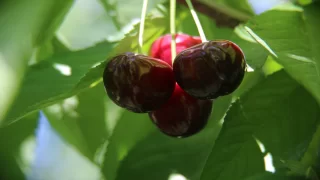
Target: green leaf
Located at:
point(25, 25)
point(58, 46)
point(55, 16)
point(250, 80)
point(311, 157)
point(67, 73)
point(130, 129)
point(11, 170)
point(50, 48)
point(292, 36)
point(271, 66)
point(81, 120)
point(43, 52)
point(158, 156)
point(17, 132)
point(304, 2)
point(220, 107)
point(56, 78)
point(271, 176)
point(255, 55)
point(277, 118)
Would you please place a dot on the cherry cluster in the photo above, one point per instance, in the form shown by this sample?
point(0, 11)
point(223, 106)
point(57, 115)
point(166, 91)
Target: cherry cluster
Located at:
point(177, 96)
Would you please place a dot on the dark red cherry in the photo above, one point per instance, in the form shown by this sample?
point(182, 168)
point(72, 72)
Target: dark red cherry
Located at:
point(138, 83)
point(161, 48)
point(183, 115)
point(210, 69)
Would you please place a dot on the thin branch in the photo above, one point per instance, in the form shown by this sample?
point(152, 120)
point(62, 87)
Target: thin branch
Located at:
point(173, 28)
point(221, 19)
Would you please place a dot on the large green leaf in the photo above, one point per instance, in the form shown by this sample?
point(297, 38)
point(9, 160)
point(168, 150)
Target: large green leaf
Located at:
point(67, 73)
point(48, 49)
point(158, 156)
point(131, 128)
point(24, 26)
point(255, 55)
point(274, 176)
point(11, 170)
point(81, 120)
point(18, 132)
point(250, 80)
point(56, 78)
point(277, 117)
point(55, 16)
point(292, 36)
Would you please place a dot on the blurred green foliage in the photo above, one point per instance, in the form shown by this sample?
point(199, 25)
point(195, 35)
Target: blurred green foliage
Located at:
point(52, 54)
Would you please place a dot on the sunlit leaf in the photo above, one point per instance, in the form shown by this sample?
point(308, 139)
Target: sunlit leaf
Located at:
point(24, 26)
point(292, 37)
point(67, 73)
point(275, 119)
point(56, 78)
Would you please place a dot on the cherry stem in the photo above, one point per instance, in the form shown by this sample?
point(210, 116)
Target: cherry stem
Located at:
point(173, 28)
point(197, 21)
point(141, 28)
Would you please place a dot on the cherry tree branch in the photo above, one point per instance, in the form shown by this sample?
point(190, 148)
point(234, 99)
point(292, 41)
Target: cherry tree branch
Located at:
point(221, 19)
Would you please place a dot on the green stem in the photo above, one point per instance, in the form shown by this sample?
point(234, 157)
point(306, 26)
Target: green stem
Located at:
point(173, 28)
point(141, 28)
point(197, 21)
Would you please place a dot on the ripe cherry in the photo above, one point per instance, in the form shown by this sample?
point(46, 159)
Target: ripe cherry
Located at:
point(138, 83)
point(210, 69)
point(161, 48)
point(182, 115)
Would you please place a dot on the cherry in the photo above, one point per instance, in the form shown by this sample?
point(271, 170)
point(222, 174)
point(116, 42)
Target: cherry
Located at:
point(161, 48)
point(183, 115)
point(138, 83)
point(210, 69)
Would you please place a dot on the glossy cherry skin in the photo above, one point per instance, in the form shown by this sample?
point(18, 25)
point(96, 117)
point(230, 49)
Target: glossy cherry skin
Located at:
point(138, 83)
point(161, 48)
point(183, 115)
point(210, 69)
